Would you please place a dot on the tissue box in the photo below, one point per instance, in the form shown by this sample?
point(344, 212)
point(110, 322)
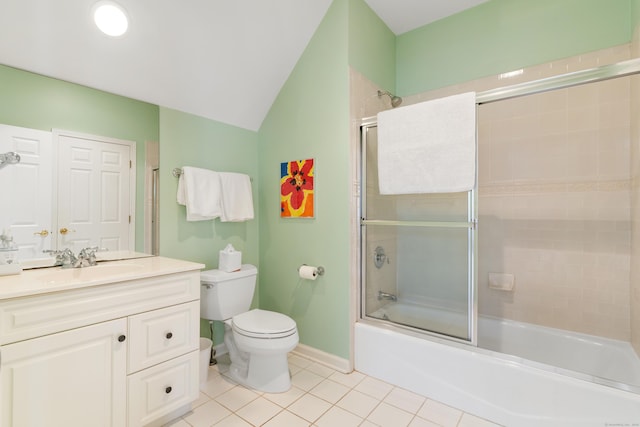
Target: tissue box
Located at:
point(230, 259)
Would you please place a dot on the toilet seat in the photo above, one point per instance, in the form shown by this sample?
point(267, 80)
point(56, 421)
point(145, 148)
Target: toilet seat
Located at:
point(263, 324)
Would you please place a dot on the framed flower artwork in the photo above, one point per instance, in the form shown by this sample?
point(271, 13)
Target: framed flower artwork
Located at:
point(297, 189)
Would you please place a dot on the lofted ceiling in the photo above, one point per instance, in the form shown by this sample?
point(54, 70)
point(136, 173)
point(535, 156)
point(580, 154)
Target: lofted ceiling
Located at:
point(219, 59)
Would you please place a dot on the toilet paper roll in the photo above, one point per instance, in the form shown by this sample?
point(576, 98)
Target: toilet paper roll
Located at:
point(308, 272)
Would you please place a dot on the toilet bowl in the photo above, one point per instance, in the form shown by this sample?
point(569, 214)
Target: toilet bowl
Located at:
point(262, 339)
point(258, 341)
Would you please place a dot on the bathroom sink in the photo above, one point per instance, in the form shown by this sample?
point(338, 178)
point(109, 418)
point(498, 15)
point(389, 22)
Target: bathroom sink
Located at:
point(100, 271)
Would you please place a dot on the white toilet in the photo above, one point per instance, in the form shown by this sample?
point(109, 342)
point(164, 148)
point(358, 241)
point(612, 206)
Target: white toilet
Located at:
point(258, 340)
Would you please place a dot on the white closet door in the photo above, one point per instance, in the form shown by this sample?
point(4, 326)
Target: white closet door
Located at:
point(26, 207)
point(96, 192)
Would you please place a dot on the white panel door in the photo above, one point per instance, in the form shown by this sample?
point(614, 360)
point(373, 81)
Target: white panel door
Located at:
point(96, 192)
point(26, 206)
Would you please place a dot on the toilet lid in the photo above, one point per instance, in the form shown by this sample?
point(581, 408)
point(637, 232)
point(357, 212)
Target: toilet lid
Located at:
point(264, 324)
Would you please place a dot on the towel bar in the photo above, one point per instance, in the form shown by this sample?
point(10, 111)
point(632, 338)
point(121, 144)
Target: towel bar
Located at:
point(176, 172)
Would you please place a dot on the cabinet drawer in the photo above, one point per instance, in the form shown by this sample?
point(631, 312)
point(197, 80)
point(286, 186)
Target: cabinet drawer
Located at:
point(162, 334)
point(161, 389)
point(28, 317)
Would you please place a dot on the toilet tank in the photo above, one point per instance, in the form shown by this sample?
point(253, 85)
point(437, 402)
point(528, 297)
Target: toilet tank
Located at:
point(223, 295)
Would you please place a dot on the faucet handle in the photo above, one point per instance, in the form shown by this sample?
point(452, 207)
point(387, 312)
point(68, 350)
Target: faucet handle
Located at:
point(64, 257)
point(89, 254)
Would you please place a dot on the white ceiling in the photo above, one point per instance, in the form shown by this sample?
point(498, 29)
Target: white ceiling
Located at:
point(225, 60)
point(406, 15)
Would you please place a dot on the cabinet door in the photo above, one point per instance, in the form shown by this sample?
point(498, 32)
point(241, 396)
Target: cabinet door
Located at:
point(72, 378)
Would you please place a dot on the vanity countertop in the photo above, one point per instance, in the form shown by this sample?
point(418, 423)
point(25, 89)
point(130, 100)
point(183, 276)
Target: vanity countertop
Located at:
point(55, 279)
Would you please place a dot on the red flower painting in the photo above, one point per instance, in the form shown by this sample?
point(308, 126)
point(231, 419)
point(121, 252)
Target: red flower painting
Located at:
point(296, 188)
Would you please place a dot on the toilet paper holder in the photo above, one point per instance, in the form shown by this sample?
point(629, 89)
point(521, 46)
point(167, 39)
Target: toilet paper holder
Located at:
point(319, 271)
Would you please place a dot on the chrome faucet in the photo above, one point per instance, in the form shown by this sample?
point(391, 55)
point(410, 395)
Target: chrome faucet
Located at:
point(87, 257)
point(64, 258)
point(67, 259)
point(385, 295)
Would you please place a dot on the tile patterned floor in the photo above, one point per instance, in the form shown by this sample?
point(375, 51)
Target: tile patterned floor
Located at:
point(319, 397)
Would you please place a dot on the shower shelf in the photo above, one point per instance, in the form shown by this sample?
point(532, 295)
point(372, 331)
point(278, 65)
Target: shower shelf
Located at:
point(439, 224)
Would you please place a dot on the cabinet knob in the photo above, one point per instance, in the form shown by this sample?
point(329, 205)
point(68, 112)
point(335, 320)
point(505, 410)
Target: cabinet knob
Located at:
point(169, 335)
point(121, 338)
point(43, 233)
point(168, 390)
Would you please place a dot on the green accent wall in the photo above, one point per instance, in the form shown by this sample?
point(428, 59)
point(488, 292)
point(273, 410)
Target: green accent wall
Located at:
point(503, 35)
point(310, 119)
point(188, 140)
point(372, 46)
point(38, 102)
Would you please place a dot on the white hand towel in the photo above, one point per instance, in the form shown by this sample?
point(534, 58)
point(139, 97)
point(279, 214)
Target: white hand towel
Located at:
point(428, 147)
point(199, 191)
point(237, 200)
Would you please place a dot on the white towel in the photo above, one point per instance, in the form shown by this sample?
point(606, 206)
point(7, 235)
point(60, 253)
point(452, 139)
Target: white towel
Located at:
point(199, 191)
point(428, 147)
point(237, 200)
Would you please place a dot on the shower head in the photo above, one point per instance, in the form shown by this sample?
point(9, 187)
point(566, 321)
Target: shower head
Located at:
point(395, 100)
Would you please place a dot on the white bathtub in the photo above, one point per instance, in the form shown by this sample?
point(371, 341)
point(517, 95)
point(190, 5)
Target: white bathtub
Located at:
point(511, 390)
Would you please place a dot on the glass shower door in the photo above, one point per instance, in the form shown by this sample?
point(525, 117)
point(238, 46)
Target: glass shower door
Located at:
point(417, 254)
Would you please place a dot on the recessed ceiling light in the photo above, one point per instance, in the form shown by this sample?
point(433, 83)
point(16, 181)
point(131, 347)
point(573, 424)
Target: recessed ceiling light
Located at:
point(110, 18)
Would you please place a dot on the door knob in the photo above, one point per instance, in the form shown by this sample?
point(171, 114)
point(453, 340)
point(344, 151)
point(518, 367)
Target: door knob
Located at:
point(43, 233)
point(65, 230)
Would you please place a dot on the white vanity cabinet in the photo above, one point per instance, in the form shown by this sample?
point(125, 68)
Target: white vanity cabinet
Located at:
point(113, 353)
point(73, 378)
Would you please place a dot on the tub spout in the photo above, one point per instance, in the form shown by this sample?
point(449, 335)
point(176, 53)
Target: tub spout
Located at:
point(385, 295)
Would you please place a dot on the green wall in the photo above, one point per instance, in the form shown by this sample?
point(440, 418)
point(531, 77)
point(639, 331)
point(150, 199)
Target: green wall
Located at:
point(310, 119)
point(38, 102)
point(188, 140)
point(503, 35)
point(372, 46)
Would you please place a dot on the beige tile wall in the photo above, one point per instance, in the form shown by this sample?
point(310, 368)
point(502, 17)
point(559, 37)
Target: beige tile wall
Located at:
point(555, 207)
point(554, 199)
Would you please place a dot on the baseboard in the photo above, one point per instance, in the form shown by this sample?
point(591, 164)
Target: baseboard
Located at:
point(327, 359)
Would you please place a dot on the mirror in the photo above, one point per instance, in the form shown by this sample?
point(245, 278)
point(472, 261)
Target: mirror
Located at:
point(44, 105)
point(74, 191)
